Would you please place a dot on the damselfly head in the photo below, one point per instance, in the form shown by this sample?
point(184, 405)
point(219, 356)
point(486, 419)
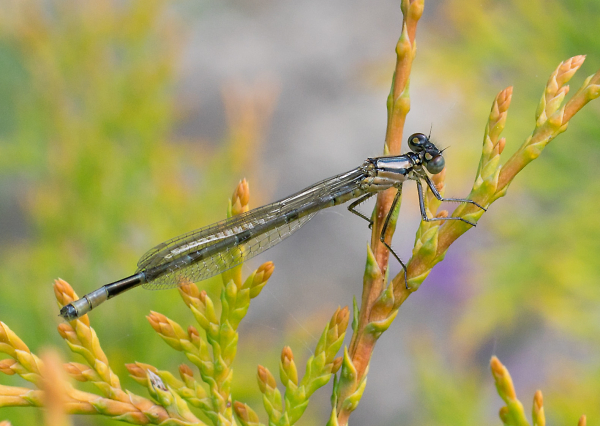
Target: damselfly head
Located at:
point(431, 155)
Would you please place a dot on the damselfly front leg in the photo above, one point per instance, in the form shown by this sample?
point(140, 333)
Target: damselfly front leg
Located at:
point(437, 195)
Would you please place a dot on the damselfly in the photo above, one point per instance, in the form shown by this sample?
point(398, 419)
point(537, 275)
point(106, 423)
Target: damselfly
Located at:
point(208, 251)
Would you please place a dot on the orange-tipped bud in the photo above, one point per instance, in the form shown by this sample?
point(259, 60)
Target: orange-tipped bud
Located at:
point(503, 99)
point(256, 281)
point(76, 371)
point(190, 289)
point(136, 371)
point(503, 380)
point(155, 319)
point(169, 330)
point(185, 372)
point(501, 144)
point(266, 381)
point(190, 294)
point(504, 415)
point(245, 413)
point(193, 334)
point(6, 366)
point(538, 415)
point(264, 272)
point(566, 70)
point(240, 198)
point(241, 410)
point(538, 401)
point(287, 355)
point(66, 332)
point(64, 292)
point(162, 324)
point(337, 363)
point(287, 368)
point(340, 319)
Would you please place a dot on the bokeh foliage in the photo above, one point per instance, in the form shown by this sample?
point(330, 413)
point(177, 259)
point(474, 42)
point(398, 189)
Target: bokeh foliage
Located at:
point(534, 297)
point(91, 161)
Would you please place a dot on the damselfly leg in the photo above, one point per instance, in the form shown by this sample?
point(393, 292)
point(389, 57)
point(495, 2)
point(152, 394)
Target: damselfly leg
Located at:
point(386, 223)
point(352, 208)
point(436, 194)
point(439, 197)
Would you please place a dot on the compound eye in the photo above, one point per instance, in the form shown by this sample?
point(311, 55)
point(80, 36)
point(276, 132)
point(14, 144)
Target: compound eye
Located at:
point(417, 141)
point(435, 165)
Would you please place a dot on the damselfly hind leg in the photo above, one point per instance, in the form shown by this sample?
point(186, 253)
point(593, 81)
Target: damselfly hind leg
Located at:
point(352, 208)
point(386, 223)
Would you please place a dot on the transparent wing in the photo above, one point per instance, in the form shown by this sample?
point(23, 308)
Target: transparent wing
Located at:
point(174, 255)
point(202, 237)
point(184, 271)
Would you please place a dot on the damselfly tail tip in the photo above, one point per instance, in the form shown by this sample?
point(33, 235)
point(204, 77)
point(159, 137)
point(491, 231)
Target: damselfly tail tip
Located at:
point(68, 312)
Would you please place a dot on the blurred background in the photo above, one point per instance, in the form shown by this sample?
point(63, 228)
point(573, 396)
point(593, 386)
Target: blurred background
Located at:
point(125, 123)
